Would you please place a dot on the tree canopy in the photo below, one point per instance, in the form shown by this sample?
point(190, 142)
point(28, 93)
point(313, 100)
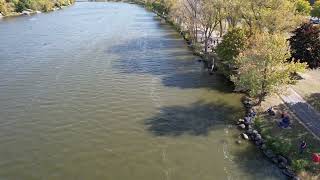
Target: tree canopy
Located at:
point(263, 68)
point(315, 12)
point(303, 7)
point(305, 45)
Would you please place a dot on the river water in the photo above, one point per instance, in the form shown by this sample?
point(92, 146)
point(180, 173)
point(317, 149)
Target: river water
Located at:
point(107, 91)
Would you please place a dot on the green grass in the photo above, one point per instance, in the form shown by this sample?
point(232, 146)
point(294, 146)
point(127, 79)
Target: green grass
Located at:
point(287, 141)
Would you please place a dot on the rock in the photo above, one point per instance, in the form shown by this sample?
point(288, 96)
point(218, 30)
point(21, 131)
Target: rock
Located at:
point(245, 136)
point(242, 126)
point(263, 147)
point(269, 153)
point(249, 131)
point(249, 127)
point(296, 178)
point(255, 132)
point(38, 12)
point(258, 137)
point(288, 173)
point(282, 165)
point(26, 12)
point(1, 16)
point(275, 160)
point(258, 143)
point(238, 141)
point(282, 159)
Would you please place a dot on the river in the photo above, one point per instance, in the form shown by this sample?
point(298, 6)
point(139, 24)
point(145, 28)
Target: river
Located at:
point(107, 91)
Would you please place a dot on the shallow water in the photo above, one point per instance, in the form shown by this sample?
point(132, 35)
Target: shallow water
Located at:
point(106, 91)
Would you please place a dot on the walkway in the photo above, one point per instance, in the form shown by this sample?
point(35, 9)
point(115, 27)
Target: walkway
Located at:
point(305, 112)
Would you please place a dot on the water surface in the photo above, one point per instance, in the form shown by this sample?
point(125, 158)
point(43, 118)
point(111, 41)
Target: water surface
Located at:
point(105, 91)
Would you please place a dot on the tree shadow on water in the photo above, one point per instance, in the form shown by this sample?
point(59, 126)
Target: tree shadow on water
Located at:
point(196, 119)
point(194, 79)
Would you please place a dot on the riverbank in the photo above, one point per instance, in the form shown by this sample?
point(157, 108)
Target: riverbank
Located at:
point(10, 9)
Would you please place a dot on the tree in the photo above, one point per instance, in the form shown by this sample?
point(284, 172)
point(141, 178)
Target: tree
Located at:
point(315, 12)
point(209, 18)
point(191, 9)
point(305, 45)
point(232, 44)
point(263, 69)
point(303, 7)
point(268, 15)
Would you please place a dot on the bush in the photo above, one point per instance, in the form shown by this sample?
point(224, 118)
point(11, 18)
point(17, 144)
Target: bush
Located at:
point(232, 44)
point(279, 145)
point(21, 5)
point(6, 7)
point(303, 7)
point(305, 45)
point(299, 165)
point(315, 12)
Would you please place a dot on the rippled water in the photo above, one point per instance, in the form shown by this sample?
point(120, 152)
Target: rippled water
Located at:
point(105, 91)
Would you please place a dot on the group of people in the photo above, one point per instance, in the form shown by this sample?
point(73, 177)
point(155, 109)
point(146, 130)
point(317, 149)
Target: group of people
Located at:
point(285, 119)
point(285, 123)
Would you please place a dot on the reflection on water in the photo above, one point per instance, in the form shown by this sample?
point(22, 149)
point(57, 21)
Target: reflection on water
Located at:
point(105, 91)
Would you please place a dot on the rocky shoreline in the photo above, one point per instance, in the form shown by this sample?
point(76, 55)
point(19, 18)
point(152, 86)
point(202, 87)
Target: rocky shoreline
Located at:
point(251, 134)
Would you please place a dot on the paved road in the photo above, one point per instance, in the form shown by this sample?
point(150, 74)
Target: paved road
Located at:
point(305, 112)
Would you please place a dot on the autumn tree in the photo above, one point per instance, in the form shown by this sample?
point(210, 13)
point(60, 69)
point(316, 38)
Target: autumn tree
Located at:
point(305, 45)
point(209, 18)
point(303, 7)
point(263, 68)
point(315, 12)
point(268, 15)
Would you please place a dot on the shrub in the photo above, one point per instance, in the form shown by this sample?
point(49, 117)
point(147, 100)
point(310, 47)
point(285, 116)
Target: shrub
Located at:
point(303, 7)
point(279, 146)
point(299, 165)
point(6, 7)
point(315, 12)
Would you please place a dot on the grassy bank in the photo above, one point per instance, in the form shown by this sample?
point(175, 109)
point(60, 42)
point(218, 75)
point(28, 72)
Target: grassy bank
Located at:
point(287, 141)
point(15, 7)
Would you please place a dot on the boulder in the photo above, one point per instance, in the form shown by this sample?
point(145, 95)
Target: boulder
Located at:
point(288, 173)
point(249, 131)
point(245, 136)
point(263, 147)
point(258, 143)
point(38, 12)
point(242, 126)
point(296, 178)
point(238, 141)
point(258, 137)
point(282, 165)
point(275, 160)
point(27, 13)
point(269, 153)
point(1, 16)
point(282, 159)
point(255, 132)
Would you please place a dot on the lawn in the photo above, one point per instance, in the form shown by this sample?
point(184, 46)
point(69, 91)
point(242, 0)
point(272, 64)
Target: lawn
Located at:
point(287, 141)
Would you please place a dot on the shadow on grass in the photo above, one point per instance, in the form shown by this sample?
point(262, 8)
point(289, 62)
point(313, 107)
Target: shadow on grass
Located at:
point(197, 119)
point(293, 136)
point(314, 100)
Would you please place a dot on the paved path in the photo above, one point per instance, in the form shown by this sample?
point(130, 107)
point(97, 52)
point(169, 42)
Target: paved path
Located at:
point(305, 112)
